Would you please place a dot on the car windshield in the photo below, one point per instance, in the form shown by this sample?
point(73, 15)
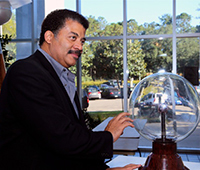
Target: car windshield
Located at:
point(92, 90)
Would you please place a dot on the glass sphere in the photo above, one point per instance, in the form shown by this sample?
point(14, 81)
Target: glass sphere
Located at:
point(164, 106)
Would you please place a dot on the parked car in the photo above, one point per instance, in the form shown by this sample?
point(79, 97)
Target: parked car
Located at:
point(85, 100)
point(153, 98)
point(111, 92)
point(113, 83)
point(93, 93)
point(104, 86)
point(94, 86)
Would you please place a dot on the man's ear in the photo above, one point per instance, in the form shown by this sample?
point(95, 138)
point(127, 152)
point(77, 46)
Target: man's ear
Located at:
point(48, 35)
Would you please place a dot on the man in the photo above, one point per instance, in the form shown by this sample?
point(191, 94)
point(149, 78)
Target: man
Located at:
point(41, 122)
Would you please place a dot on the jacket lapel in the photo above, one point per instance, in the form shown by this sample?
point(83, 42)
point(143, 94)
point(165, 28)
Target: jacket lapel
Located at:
point(50, 69)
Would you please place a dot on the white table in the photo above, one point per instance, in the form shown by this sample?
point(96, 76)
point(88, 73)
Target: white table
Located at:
point(121, 161)
point(127, 143)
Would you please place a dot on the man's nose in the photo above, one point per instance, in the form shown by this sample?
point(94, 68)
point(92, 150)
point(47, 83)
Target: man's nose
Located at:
point(78, 45)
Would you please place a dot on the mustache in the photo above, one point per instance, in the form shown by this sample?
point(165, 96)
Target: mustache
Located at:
point(77, 52)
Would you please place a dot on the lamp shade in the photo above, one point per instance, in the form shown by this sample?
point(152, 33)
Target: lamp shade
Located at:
point(5, 12)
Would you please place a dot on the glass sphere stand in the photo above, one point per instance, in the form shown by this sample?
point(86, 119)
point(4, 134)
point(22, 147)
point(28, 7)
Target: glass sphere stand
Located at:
point(164, 157)
point(164, 153)
point(165, 109)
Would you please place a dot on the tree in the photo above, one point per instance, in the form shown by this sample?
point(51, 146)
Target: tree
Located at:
point(183, 23)
point(104, 59)
point(97, 26)
point(187, 53)
point(165, 20)
point(102, 56)
point(136, 63)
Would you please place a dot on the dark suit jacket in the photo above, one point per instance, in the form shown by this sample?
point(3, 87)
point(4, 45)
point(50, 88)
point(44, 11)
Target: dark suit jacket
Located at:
point(39, 128)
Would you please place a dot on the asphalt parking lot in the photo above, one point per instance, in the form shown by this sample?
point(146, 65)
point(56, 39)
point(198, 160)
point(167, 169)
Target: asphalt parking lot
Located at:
point(105, 105)
point(192, 141)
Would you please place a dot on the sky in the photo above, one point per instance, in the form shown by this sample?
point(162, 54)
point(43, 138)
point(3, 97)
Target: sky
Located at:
point(140, 10)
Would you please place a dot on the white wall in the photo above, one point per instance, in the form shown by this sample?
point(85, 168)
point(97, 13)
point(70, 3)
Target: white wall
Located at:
point(53, 5)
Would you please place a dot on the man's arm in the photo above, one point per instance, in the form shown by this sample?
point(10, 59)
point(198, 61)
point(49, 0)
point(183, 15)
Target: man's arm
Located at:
point(118, 124)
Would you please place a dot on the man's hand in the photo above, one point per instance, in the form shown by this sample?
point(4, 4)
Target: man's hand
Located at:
point(117, 125)
point(127, 167)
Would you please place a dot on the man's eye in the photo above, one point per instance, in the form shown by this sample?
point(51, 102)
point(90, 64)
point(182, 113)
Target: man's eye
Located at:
point(73, 37)
point(83, 42)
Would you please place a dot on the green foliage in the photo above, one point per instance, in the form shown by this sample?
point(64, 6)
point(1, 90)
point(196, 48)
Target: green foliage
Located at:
point(104, 59)
point(187, 53)
point(90, 83)
point(9, 33)
point(10, 27)
point(5, 39)
point(136, 63)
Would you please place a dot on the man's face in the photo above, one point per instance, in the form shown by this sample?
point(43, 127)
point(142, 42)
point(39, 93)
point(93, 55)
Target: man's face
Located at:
point(67, 45)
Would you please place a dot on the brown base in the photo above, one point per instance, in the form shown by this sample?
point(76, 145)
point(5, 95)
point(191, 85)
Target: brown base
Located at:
point(164, 157)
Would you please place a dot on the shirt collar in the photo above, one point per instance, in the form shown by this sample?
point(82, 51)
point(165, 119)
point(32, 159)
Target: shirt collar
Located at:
point(57, 66)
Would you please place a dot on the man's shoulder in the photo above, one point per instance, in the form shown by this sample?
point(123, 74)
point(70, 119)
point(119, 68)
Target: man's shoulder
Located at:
point(26, 64)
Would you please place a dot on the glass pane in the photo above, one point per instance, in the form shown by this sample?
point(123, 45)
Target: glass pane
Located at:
point(24, 21)
point(70, 4)
point(102, 14)
point(16, 51)
point(20, 52)
point(102, 60)
point(187, 53)
point(102, 66)
point(136, 60)
point(158, 54)
point(40, 17)
point(188, 16)
point(149, 17)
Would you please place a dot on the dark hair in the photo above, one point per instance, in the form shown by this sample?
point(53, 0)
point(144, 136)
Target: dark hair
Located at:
point(56, 20)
